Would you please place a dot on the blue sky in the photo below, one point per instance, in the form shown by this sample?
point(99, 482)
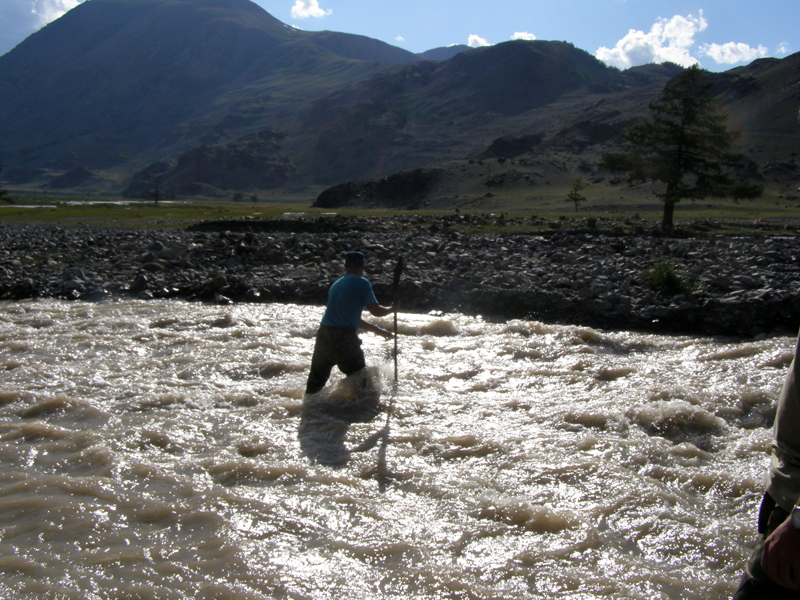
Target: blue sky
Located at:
point(719, 34)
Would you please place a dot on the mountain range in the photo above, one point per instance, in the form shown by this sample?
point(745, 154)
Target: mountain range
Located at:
point(212, 97)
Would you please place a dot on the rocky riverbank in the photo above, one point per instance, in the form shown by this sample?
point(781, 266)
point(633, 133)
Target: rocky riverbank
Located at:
point(709, 284)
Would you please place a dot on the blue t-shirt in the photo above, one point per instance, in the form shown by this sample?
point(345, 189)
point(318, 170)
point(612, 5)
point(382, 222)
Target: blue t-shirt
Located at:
point(346, 299)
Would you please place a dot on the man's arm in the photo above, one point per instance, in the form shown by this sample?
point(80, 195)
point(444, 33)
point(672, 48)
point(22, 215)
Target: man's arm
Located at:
point(376, 310)
point(781, 557)
point(375, 329)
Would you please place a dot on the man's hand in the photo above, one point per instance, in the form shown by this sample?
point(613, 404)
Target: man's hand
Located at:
point(781, 557)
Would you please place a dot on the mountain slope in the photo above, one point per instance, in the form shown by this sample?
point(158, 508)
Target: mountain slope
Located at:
point(214, 95)
point(128, 74)
point(556, 142)
point(440, 111)
point(763, 99)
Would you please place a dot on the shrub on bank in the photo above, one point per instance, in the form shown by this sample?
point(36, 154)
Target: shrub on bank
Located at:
point(665, 277)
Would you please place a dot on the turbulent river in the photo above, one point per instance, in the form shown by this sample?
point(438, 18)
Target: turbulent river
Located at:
point(164, 450)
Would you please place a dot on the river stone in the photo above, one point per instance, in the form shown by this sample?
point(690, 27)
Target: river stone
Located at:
point(743, 285)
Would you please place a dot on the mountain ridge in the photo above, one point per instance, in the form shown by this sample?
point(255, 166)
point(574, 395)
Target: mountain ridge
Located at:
point(173, 55)
point(133, 90)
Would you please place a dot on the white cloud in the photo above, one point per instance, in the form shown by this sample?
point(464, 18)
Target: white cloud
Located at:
point(399, 38)
point(50, 10)
point(669, 40)
point(732, 53)
point(476, 41)
point(523, 35)
point(783, 48)
point(20, 18)
point(304, 9)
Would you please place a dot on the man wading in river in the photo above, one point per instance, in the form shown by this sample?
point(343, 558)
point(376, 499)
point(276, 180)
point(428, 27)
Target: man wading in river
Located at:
point(337, 339)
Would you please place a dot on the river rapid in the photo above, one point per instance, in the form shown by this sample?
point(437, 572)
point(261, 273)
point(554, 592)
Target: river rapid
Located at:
point(163, 449)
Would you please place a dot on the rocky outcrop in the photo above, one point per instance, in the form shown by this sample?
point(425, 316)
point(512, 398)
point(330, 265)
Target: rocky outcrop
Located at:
point(253, 162)
point(511, 146)
point(401, 190)
point(743, 285)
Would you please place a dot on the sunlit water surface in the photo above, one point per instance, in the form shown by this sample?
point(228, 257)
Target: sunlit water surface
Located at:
point(164, 450)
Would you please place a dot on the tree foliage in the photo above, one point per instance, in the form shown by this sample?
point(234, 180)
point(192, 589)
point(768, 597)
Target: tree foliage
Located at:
point(575, 193)
point(685, 146)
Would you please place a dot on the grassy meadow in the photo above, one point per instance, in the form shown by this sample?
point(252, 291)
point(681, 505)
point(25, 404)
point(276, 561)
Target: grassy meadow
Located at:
point(770, 213)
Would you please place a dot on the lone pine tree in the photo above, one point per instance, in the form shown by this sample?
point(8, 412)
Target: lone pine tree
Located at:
point(575, 193)
point(685, 146)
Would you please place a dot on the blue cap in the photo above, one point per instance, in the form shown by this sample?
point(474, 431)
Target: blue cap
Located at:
point(354, 258)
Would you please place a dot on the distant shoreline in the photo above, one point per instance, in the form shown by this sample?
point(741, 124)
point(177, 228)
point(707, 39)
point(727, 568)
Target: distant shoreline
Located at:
point(741, 285)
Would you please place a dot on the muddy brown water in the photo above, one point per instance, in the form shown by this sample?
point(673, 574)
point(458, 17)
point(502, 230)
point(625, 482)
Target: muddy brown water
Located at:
point(165, 450)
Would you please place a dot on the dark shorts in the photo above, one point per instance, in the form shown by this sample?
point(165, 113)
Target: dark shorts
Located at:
point(335, 346)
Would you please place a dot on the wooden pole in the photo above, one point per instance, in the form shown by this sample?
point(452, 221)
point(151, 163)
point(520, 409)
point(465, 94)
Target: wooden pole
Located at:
point(398, 270)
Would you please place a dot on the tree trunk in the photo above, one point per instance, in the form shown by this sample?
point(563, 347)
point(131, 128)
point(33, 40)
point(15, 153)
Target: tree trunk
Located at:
point(669, 210)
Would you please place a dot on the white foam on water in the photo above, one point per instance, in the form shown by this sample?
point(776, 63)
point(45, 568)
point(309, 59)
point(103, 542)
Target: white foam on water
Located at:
point(166, 450)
